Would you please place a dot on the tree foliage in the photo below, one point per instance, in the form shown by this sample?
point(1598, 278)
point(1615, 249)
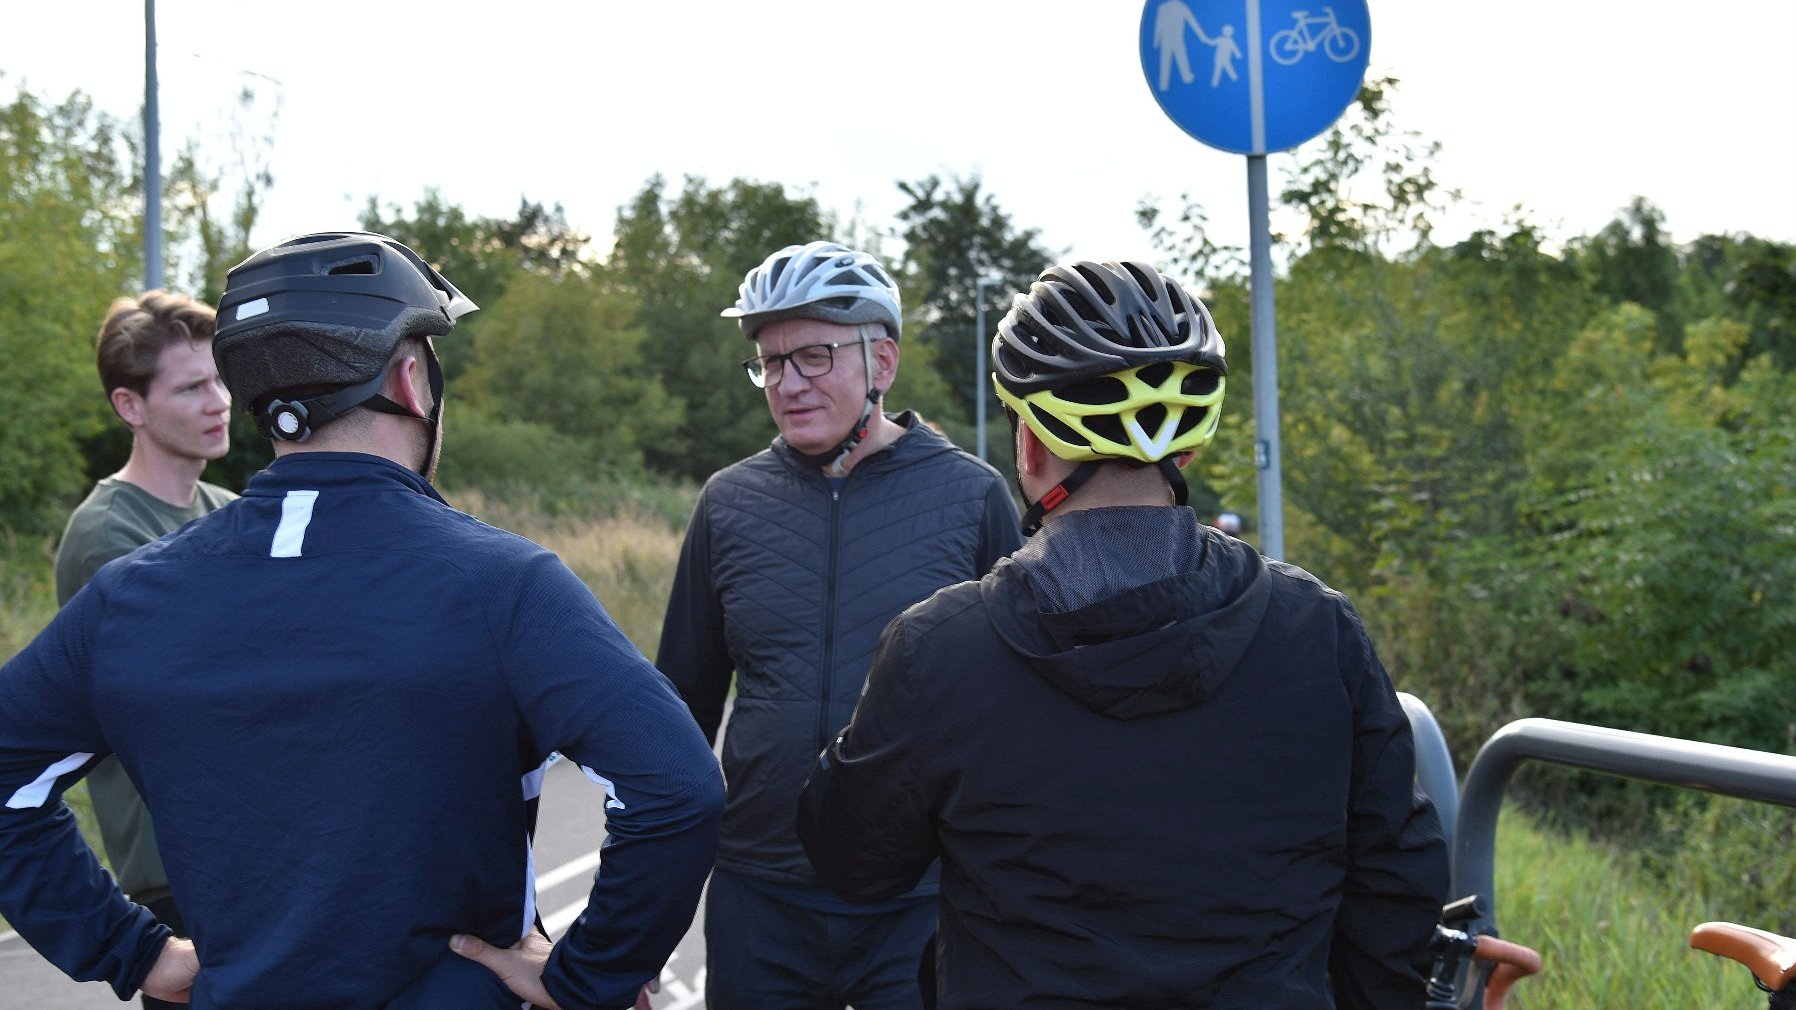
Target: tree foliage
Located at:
point(68, 230)
point(1558, 483)
point(681, 256)
point(954, 232)
point(562, 351)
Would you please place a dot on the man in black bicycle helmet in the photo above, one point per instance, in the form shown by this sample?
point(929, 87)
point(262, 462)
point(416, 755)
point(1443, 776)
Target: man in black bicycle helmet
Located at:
point(1158, 769)
point(337, 695)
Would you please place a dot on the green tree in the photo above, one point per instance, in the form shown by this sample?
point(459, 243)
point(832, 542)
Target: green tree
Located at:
point(1668, 511)
point(68, 246)
point(481, 256)
point(682, 256)
point(954, 232)
point(1746, 278)
point(561, 351)
point(1632, 260)
point(1365, 184)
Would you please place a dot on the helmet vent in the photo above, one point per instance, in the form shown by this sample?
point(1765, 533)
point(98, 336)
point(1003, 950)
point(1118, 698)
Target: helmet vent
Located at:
point(1151, 417)
point(1098, 392)
point(1141, 280)
point(1191, 418)
point(358, 265)
point(1199, 382)
point(1108, 427)
point(1155, 373)
point(1096, 281)
point(1059, 428)
point(1082, 305)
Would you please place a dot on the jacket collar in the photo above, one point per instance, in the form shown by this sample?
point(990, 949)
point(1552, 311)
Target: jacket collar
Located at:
point(918, 440)
point(336, 470)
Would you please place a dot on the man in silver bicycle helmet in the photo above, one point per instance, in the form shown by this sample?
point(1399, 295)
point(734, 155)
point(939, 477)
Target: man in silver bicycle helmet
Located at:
point(1157, 769)
point(794, 560)
point(337, 695)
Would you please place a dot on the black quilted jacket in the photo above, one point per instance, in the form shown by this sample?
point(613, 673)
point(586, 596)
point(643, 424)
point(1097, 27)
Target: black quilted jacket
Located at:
point(789, 583)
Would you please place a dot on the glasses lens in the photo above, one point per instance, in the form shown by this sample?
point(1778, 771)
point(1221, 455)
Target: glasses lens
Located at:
point(813, 360)
point(757, 371)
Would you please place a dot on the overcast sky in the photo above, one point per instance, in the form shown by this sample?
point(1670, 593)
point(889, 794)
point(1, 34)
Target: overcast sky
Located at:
point(1567, 107)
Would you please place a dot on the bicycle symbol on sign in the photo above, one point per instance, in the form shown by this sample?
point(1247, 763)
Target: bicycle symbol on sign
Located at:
point(1339, 42)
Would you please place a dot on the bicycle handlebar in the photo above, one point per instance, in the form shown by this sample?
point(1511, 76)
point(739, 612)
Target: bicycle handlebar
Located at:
point(1463, 958)
point(1771, 958)
point(1513, 961)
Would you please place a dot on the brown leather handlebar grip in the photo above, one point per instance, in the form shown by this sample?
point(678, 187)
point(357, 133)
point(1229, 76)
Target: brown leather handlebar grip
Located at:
point(1513, 961)
point(1770, 957)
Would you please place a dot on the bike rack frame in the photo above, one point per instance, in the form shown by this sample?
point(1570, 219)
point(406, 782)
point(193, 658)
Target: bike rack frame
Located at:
point(1434, 762)
point(1729, 771)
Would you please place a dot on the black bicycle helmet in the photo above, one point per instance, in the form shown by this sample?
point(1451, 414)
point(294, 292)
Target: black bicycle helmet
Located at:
point(306, 327)
point(1109, 361)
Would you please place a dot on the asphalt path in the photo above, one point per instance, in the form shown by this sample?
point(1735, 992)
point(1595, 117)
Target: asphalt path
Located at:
point(570, 827)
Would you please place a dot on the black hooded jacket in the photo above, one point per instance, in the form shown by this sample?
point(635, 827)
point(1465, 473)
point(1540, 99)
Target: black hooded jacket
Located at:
point(1159, 771)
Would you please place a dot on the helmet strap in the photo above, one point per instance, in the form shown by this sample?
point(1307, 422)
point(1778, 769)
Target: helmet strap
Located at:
point(832, 461)
point(294, 420)
point(1058, 494)
point(1169, 465)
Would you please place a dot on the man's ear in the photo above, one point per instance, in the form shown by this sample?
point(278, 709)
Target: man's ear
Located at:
point(128, 405)
point(1184, 458)
point(1031, 452)
point(403, 385)
point(885, 365)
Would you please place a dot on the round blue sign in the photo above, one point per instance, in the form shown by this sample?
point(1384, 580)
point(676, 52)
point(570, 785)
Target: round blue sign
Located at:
point(1254, 76)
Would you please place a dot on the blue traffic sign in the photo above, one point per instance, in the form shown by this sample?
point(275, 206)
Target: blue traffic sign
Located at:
point(1254, 76)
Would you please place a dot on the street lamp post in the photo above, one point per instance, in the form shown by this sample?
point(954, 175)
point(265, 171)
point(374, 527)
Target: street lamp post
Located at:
point(152, 156)
point(979, 340)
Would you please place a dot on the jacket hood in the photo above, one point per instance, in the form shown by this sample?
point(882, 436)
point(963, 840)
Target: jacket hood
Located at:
point(1130, 611)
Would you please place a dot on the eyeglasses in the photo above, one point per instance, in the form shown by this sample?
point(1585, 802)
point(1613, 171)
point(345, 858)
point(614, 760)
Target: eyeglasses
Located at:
point(812, 361)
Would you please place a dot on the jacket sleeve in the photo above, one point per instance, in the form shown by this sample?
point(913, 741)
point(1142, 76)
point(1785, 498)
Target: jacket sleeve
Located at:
point(693, 653)
point(585, 690)
point(1397, 856)
point(53, 890)
point(865, 816)
point(1002, 531)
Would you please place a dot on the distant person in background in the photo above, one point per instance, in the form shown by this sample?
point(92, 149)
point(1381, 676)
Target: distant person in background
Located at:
point(1158, 769)
point(154, 354)
point(1229, 523)
point(794, 560)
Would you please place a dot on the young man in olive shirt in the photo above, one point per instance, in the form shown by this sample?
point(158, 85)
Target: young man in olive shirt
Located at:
point(154, 355)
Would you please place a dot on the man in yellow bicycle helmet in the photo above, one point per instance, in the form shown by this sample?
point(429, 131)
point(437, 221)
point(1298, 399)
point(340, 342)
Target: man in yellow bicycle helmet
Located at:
point(1158, 769)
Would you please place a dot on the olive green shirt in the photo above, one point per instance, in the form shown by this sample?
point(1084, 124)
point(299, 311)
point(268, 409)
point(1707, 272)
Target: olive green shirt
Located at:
point(117, 518)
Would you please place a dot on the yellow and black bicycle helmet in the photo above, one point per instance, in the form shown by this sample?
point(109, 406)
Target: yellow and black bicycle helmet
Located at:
point(1111, 361)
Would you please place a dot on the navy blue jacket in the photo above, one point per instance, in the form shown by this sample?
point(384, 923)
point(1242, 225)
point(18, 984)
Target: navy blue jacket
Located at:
point(788, 581)
point(1158, 770)
point(336, 694)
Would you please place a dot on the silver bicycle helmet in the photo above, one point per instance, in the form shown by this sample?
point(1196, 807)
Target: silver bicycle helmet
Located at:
point(821, 280)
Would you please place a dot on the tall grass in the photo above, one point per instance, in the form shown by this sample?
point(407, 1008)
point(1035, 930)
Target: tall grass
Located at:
point(626, 555)
point(1612, 936)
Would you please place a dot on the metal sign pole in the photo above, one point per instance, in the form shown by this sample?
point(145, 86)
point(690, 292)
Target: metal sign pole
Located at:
point(1265, 363)
point(1303, 65)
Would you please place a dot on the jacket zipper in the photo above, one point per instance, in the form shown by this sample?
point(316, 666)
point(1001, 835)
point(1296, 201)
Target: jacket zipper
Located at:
point(829, 620)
